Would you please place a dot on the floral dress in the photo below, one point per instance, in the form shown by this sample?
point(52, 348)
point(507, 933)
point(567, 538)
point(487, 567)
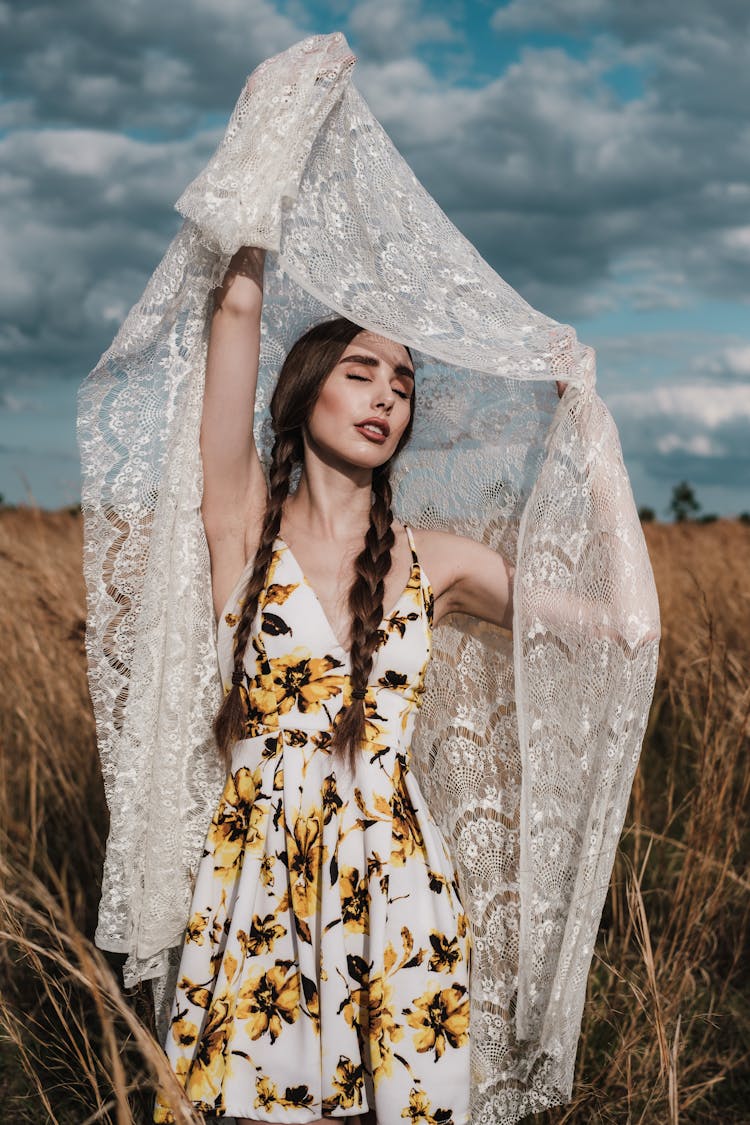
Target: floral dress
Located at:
point(325, 965)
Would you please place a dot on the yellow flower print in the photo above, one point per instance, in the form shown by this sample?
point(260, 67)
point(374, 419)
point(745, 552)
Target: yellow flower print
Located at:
point(266, 870)
point(374, 866)
point(430, 606)
point(195, 928)
point(441, 1016)
point(211, 1062)
point(381, 1028)
point(163, 1114)
point(230, 966)
point(396, 623)
point(348, 1079)
point(305, 857)
point(418, 1111)
point(277, 593)
point(409, 959)
point(304, 681)
point(394, 681)
point(268, 1095)
point(312, 999)
point(264, 932)
point(238, 820)
point(414, 585)
point(437, 881)
point(355, 900)
point(445, 953)
point(331, 800)
point(407, 834)
point(267, 998)
point(197, 994)
point(260, 712)
point(217, 931)
point(295, 1097)
point(184, 1031)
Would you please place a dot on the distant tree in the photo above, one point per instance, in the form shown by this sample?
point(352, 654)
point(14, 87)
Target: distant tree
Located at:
point(707, 517)
point(683, 501)
point(744, 517)
point(646, 515)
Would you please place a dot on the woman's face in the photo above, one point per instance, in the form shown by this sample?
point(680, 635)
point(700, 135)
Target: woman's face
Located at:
point(364, 404)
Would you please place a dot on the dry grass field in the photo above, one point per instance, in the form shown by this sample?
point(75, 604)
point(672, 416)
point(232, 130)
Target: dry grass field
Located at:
point(666, 1031)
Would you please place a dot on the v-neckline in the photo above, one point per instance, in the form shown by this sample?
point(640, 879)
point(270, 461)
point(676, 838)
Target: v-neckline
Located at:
point(324, 615)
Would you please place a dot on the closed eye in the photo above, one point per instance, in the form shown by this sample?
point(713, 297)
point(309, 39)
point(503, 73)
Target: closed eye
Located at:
point(364, 379)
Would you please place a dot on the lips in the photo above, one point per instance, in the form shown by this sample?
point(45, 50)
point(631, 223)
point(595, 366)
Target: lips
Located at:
point(376, 429)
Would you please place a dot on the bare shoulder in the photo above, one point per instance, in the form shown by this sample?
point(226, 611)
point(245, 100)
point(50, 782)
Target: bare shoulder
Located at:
point(446, 555)
point(465, 576)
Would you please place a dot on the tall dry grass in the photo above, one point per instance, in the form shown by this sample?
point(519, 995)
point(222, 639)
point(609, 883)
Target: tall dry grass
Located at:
point(666, 1029)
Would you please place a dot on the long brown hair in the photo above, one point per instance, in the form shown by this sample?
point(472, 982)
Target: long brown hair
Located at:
point(309, 362)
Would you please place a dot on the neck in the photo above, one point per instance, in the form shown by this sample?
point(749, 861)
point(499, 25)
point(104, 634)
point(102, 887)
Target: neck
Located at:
point(330, 506)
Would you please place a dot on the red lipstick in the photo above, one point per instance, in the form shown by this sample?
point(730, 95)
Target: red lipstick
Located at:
point(379, 429)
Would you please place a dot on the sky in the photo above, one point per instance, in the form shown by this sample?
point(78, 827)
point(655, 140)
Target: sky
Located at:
point(596, 152)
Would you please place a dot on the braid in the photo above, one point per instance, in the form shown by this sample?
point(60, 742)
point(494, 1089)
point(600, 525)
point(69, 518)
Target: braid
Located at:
point(366, 605)
point(229, 721)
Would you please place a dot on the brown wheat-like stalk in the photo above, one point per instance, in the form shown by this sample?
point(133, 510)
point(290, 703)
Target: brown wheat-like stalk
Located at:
point(666, 1024)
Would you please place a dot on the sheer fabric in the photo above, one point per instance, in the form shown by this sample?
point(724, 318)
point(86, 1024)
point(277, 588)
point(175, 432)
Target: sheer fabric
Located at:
point(525, 745)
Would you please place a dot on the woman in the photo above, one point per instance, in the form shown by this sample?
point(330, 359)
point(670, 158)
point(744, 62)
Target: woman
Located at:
point(325, 969)
point(526, 745)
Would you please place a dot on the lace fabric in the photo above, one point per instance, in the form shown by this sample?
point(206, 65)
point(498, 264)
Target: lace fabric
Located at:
point(525, 745)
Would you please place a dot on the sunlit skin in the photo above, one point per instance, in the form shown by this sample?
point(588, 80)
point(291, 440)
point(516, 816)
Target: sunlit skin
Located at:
point(373, 379)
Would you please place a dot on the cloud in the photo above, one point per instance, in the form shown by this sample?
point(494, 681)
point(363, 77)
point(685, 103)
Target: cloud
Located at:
point(731, 362)
point(629, 19)
point(696, 431)
point(543, 167)
point(588, 201)
point(384, 29)
point(136, 65)
point(14, 404)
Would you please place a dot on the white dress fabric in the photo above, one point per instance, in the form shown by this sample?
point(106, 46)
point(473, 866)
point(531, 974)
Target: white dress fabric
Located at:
point(326, 963)
point(525, 746)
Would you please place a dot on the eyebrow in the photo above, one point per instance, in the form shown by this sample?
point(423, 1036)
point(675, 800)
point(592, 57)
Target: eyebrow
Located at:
point(371, 361)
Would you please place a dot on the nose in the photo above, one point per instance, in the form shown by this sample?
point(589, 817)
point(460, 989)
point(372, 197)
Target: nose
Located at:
point(384, 395)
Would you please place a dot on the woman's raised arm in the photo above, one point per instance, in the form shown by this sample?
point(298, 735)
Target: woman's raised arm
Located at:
point(234, 486)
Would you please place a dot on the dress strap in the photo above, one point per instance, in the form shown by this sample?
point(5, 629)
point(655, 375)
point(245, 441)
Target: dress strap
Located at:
point(428, 600)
